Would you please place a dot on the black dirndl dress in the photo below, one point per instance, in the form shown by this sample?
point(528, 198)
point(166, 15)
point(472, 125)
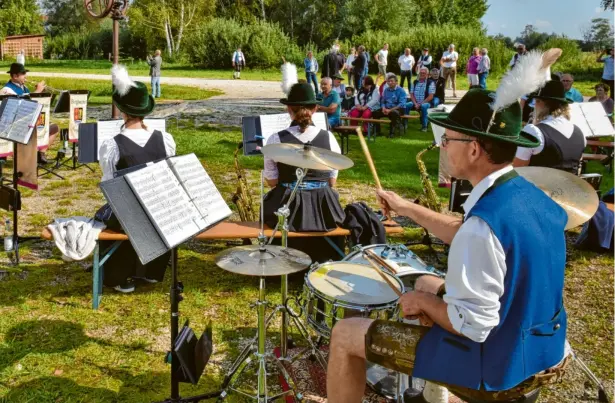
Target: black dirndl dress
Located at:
point(125, 263)
point(316, 206)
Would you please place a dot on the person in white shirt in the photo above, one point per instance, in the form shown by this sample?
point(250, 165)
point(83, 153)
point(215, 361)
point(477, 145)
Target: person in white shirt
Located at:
point(381, 59)
point(406, 62)
point(21, 57)
point(348, 66)
point(239, 62)
point(449, 64)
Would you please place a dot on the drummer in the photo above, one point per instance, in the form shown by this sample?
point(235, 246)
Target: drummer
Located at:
point(316, 206)
point(498, 319)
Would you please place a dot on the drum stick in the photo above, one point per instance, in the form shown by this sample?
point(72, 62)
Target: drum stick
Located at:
point(370, 162)
point(370, 255)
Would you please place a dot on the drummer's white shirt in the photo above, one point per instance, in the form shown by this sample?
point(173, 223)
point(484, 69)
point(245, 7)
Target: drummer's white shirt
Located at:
point(271, 168)
point(476, 271)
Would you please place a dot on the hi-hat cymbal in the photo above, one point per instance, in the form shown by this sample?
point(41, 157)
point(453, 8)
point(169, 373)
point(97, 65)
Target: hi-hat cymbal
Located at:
point(572, 193)
point(271, 260)
point(305, 156)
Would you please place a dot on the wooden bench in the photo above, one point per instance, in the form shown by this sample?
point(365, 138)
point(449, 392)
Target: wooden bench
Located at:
point(371, 122)
point(606, 156)
point(344, 132)
point(223, 230)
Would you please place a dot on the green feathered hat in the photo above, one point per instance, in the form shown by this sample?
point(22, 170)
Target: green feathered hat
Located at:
point(130, 97)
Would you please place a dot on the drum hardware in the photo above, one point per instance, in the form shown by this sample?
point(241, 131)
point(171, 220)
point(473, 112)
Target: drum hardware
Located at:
point(602, 395)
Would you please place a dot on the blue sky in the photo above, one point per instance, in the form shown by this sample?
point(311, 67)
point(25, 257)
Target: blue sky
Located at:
point(509, 17)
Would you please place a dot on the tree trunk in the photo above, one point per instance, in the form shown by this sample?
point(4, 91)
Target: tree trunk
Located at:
point(292, 24)
point(180, 32)
point(167, 36)
point(263, 9)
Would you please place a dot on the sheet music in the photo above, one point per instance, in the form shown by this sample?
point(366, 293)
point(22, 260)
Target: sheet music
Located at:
point(200, 188)
point(597, 119)
point(107, 129)
point(271, 124)
point(18, 119)
point(166, 203)
point(438, 131)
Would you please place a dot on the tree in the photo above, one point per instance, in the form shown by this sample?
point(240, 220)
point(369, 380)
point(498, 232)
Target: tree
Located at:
point(508, 42)
point(606, 4)
point(20, 17)
point(66, 16)
point(601, 33)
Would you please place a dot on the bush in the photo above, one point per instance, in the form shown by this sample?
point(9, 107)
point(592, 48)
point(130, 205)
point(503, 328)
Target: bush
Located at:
point(81, 44)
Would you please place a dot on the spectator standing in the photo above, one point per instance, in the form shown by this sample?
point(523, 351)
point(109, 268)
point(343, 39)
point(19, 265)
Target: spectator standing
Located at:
point(351, 56)
point(406, 63)
point(359, 66)
point(472, 67)
point(439, 82)
point(571, 93)
point(607, 72)
point(483, 68)
point(425, 60)
point(331, 103)
point(367, 59)
point(329, 64)
point(381, 59)
point(155, 64)
point(422, 96)
point(521, 51)
point(449, 63)
point(338, 86)
point(366, 102)
point(239, 62)
point(341, 60)
point(311, 69)
point(21, 57)
point(602, 95)
point(392, 103)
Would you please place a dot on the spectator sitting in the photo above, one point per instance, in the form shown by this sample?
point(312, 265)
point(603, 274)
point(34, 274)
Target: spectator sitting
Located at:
point(472, 67)
point(331, 102)
point(311, 69)
point(348, 101)
point(384, 83)
point(366, 102)
point(483, 69)
point(439, 82)
point(338, 86)
point(602, 95)
point(422, 96)
point(607, 72)
point(571, 93)
point(392, 103)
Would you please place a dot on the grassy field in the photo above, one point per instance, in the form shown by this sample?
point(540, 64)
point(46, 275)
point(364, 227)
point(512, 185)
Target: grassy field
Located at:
point(54, 348)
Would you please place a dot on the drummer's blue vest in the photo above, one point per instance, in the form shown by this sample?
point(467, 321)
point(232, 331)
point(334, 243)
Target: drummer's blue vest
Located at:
point(17, 89)
point(532, 330)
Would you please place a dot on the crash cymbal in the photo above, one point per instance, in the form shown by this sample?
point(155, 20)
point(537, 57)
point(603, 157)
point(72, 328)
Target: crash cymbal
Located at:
point(306, 156)
point(271, 260)
point(572, 193)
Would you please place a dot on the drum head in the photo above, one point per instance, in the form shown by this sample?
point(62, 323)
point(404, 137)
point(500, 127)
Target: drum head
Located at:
point(353, 283)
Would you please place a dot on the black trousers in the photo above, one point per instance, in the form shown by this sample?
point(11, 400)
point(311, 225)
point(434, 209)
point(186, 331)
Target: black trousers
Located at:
point(610, 84)
point(393, 115)
point(406, 74)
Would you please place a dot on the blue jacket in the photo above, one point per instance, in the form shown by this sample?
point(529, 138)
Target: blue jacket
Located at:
point(392, 98)
point(307, 63)
point(17, 89)
point(532, 330)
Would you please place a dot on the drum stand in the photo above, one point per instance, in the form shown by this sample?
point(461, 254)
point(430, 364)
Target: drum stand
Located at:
point(256, 347)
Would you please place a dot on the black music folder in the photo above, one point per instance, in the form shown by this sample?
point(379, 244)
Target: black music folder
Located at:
point(193, 353)
point(165, 204)
point(18, 119)
point(63, 104)
point(88, 143)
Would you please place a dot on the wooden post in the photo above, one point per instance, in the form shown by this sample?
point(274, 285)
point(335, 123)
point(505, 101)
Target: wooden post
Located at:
point(115, 113)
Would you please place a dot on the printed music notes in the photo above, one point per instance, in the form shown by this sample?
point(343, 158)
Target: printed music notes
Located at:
point(18, 118)
point(200, 188)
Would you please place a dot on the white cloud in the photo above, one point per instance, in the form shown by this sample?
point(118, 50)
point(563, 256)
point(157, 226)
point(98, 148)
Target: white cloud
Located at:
point(542, 24)
point(599, 10)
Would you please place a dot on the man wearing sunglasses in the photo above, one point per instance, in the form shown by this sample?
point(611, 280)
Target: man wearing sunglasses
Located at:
point(497, 320)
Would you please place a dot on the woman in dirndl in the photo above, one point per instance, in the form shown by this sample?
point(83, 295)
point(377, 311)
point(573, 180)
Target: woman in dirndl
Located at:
point(316, 206)
point(134, 145)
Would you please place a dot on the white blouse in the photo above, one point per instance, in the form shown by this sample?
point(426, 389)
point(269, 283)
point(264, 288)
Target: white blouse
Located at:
point(110, 154)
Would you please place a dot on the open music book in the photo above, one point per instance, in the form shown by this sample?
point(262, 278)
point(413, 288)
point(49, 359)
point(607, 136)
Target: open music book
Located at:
point(18, 118)
point(592, 119)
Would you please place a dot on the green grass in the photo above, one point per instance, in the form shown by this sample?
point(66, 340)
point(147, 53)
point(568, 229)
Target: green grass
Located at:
point(54, 348)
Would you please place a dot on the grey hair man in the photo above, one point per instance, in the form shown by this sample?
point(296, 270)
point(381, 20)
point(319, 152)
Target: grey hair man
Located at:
point(483, 68)
point(449, 65)
point(155, 64)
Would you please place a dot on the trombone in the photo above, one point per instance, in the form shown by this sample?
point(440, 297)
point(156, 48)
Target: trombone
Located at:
point(48, 88)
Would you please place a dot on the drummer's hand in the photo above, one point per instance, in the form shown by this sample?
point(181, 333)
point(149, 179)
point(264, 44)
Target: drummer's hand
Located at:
point(410, 307)
point(390, 201)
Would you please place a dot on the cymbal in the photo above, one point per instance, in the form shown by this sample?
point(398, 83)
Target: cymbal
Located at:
point(572, 193)
point(272, 260)
point(306, 156)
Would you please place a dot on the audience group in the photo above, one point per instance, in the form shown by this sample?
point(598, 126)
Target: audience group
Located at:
point(367, 100)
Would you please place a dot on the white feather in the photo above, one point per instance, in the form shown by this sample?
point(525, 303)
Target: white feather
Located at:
point(526, 77)
point(289, 77)
point(121, 80)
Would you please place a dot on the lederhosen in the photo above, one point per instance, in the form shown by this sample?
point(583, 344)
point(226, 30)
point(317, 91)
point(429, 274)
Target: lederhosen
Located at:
point(313, 210)
point(124, 263)
point(560, 152)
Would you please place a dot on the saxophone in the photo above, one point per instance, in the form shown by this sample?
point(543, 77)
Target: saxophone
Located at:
point(242, 197)
point(429, 198)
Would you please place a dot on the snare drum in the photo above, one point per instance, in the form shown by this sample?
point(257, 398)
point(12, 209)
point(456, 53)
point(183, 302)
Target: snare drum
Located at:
point(338, 290)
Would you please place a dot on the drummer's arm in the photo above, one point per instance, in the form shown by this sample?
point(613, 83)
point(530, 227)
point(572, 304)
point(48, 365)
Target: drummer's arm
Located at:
point(437, 310)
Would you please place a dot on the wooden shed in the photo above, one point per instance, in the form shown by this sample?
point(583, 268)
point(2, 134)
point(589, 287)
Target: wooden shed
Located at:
point(31, 44)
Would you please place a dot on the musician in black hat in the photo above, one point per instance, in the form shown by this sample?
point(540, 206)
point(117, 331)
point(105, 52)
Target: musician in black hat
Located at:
point(561, 142)
point(134, 145)
point(316, 206)
point(16, 86)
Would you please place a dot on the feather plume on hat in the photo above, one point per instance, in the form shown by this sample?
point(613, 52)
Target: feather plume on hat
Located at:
point(289, 77)
point(529, 74)
point(121, 80)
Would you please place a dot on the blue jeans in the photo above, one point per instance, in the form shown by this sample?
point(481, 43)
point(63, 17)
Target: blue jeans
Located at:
point(156, 87)
point(435, 102)
point(423, 112)
point(482, 80)
point(333, 121)
point(311, 79)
